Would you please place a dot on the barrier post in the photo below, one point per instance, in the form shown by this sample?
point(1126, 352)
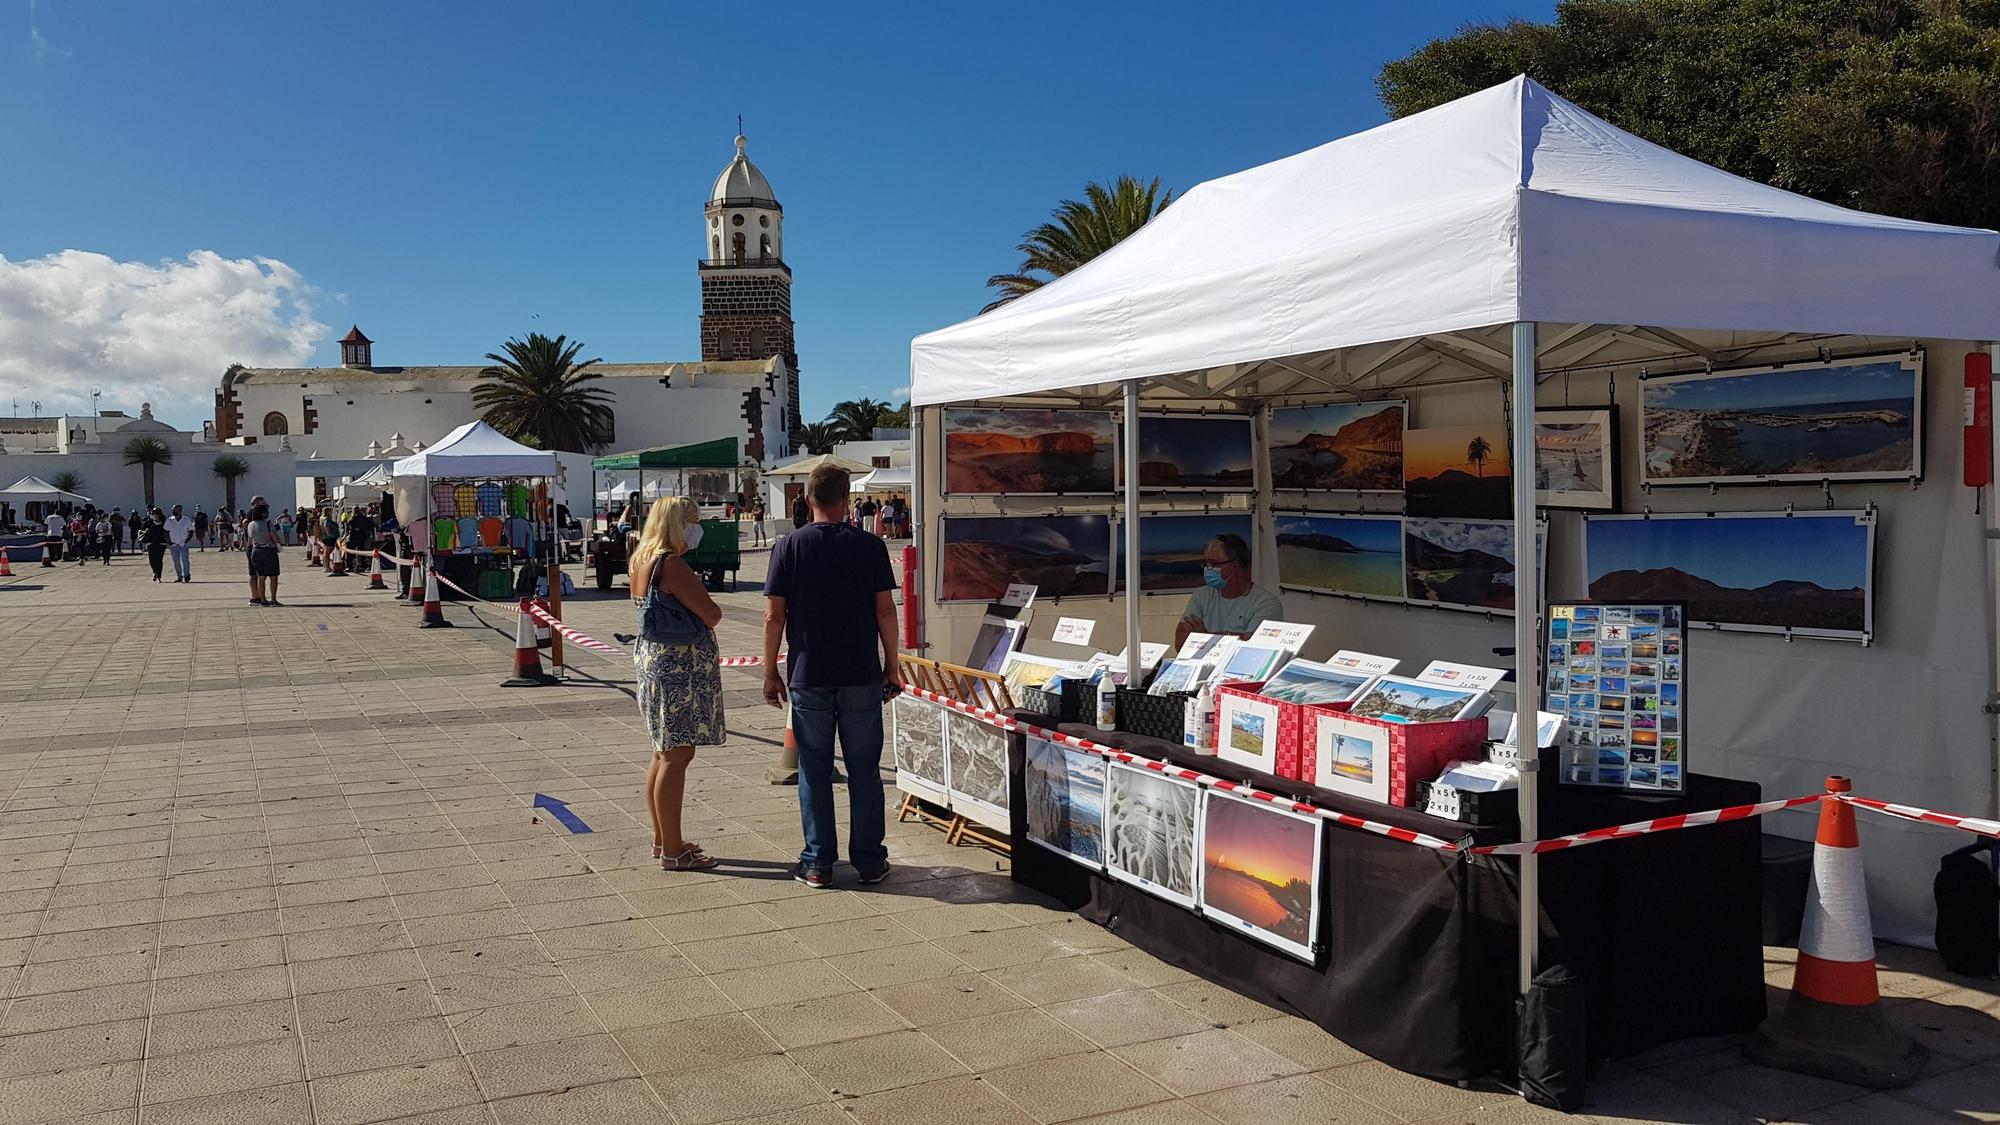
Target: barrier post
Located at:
point(6, 565)
point(527, 657)
point(375, 579)
point(433, 608)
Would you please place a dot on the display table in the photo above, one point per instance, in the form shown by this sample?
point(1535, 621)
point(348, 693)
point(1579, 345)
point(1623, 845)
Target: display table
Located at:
point(1420, 971)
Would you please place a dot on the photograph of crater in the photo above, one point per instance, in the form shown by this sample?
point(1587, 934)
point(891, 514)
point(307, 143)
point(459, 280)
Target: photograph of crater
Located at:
point(1029, 451)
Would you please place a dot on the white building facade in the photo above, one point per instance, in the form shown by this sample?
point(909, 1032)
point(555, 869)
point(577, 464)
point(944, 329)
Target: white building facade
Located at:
point(94, 449)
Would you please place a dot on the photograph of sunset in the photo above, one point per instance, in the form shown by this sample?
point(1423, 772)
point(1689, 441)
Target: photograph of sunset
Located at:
point(1457, 472)
point(1260, 867)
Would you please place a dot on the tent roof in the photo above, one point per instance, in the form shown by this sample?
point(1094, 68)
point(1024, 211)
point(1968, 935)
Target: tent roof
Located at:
point(379, 475)
point(477, 450)
point(719, 453)
point(35, 489)
point(1506, 205)
point(804, 466)
point(883, 480)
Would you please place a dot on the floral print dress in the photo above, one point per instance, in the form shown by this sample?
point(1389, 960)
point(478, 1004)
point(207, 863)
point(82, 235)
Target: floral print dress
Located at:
point(680, 690)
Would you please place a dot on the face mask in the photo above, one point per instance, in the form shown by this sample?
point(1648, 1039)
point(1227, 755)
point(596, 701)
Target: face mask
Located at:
point(693, 535)
point(1211, 576)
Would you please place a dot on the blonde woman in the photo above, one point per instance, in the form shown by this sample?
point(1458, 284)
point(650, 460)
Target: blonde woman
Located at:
point(680, 682)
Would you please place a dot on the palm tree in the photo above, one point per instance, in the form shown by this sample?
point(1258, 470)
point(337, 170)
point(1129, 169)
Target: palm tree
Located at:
point(1476, 451)
point(539, 394)
point(1082, 230)
point(69, 480)
point(229, 467)
point(856, 419)
point(149, 453)
point(899, 418)
point(818, 437)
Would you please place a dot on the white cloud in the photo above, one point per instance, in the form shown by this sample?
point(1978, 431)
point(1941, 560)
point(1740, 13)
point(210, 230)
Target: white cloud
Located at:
point(900, 394)
point(146, 332)
point(42, 47)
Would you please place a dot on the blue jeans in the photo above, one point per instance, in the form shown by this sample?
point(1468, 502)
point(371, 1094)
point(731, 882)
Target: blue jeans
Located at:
point(180, 553)
point(856, 712)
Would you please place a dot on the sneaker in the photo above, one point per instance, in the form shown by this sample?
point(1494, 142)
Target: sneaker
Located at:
point(818, 877)
point(870, 878)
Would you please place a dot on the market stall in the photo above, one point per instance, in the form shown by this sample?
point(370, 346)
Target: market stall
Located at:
point(37, 498)
point(1387, 361)
point(710, 471)
point(476, 503)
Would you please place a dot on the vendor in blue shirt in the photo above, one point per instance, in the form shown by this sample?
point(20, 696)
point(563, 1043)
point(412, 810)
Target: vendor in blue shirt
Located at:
point(1227, 601)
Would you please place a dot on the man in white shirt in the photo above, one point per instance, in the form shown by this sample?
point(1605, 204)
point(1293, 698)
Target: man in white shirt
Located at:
point(52, 543)
point(1227, 601)
point(179, 527)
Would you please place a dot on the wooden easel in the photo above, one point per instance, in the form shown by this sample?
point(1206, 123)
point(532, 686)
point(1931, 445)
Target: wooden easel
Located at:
point(966, 685)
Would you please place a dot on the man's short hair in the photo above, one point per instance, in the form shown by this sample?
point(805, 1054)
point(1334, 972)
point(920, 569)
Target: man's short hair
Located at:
point(828, 487)
point(1234, 548)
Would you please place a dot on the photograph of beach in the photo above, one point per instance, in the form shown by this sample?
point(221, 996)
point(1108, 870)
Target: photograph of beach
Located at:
point(1576, 458)
point(1029, 451)
point(1351, 756)
point(1849, 419)
point(1171, 546)
point(1340, 446)
point(1260, 870)
point(1192, 451)
point(1062, 556)
point(1306, 682)
point(1806, 571)
point(1457, 472)
point(1065, 798)
point(1400, 700)
point(1355, 555)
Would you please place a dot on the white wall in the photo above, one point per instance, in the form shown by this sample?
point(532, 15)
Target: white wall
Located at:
point(188, 481)
point(1901, 716)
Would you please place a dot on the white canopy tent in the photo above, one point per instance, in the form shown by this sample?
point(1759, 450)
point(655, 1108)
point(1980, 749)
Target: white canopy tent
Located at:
point(377, 479)
point(474, 450)
point(1510, 240)
point(882, 480)
point(33, 489)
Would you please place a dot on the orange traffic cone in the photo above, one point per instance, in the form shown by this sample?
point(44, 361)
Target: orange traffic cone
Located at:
point(375, 580)
point(414, 593)
point(6, 566)
point(527, 658)
point(1832, 1024)
point(433, 609)
point(339, 559)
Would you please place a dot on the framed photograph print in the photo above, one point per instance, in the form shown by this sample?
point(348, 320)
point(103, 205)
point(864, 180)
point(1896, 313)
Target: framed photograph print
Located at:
point(1350, 556)
point(1458, 472)
point(1576, 458)
point(1400, 699)
point(1246, 730)
point(1196, 452)
point(1061, 556)
point(917, 734)
point(1029, 451)
point(1171, 546)
point(1260, 871)
point(1065, 797)
point(1337, 447)
point(1150, 821)
point(977, 753)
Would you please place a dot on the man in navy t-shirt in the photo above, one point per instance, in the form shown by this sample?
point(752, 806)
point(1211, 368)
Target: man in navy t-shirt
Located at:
point(831, 596)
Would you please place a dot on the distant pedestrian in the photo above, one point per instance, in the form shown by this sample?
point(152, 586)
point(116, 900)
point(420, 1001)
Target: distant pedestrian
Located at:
point(100, 537)
point(801, 512)
point(179, 529)
point(757, 538)
point(154, 535)
point(118, 527)
point(680, 681)
point(52, 537)
point(200, 527)
point(260, 541)
point(79, 536)
point(285, 526)
point(831, 598)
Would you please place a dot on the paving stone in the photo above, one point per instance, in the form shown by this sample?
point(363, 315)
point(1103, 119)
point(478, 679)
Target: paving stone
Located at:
point(399, 1091)
point(248, 1066)
point(207, 1028)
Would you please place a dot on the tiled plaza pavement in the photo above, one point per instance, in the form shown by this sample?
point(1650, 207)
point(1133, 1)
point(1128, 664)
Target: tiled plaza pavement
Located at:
point(278, 866)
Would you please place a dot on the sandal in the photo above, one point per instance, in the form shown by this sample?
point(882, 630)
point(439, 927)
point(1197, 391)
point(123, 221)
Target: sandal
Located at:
point(691, 858)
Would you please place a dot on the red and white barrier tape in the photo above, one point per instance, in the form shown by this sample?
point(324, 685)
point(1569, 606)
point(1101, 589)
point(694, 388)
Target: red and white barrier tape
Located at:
point(575, 636)
point(386, 556)
point(443, 581)
point(1975, 824)
point(1645, 827)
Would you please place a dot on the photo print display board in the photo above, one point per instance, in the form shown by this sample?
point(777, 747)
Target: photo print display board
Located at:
point(1465, 564)
point(1848, 419)
point(996, 638)
point(1171, 548)
point(1149, 831)
point(1352, 556)
point(1338, 447)
point(1064, 790)
point(977, 773)
point(1350, 756)
point(1804, 574)
point(1260, 871)
point(1062, 556)
point(1024, 670)
point(1576, 458)
point(1196, 452)
point(1458, 472)
point(1031, 452)
point(1617, 673)
point(917, 744)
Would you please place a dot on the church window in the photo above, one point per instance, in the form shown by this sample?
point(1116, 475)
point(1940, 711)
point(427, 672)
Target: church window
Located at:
point(275, 424)
point(725, 344)
point(736, 241)
point(763, 220)
point(757, 343)
point(763, 246)
point(715, 249)
point(736, 220)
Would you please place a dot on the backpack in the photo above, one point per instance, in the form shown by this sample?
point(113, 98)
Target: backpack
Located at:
point(1968, 911)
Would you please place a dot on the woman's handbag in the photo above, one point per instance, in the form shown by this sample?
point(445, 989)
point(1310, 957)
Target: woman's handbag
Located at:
point(664, 620)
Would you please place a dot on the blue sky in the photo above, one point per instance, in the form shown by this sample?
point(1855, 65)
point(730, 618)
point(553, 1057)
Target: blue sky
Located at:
point(1867, 382)
point(1742, 553)
point(449, 174)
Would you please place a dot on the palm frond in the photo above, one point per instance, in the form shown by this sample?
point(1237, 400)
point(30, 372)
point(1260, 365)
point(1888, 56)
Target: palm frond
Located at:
point(1080, 231)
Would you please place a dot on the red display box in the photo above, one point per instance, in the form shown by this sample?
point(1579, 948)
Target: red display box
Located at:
point(1282, 749)
point(1417, 751)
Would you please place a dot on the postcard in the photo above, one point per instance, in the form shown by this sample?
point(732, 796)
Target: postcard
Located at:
point(1351, 757)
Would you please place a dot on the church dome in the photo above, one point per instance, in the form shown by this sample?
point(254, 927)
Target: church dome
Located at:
point(145, 423)
point(741, 183)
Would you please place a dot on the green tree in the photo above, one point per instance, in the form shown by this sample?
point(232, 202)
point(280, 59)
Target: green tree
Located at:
point(818, 437)
point(1883, 105)
point(1477, 451)
point(537, 393)
point(230, 468)
point(1081, 230)
point(69, 480)
point(856, 419)
point(149, 453)
point(899, 418)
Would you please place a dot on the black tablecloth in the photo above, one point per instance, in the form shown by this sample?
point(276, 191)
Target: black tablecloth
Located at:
point(1420, 946)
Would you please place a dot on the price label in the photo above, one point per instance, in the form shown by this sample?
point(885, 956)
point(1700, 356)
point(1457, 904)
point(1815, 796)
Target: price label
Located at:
point(1362, 662)
point(1073, 630)
point(1441, 801)
point(1503, 754)
point(1283, 634)
point(1019, 594)
point(1462, 675)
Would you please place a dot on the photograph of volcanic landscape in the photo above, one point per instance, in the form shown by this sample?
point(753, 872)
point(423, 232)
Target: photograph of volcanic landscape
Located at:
point(1461, 562)
point(1029, 451)
point(1857, 419)
point(1060, 556)
point(1354, 445)
point(1805, 571)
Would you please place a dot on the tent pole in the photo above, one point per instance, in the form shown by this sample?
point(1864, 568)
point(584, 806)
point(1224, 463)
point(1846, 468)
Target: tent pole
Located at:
point(918, 641)
point(1527, 639)
point(1133, 661)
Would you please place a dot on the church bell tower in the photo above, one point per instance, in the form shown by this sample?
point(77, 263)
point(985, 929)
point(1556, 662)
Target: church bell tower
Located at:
point(746, 287)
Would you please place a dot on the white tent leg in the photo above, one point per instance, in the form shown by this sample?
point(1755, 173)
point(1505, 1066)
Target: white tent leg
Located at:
point(1527, 637)
point(1132, 658)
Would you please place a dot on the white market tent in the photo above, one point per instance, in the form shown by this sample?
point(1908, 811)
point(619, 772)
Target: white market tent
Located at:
point(1505, 246)
point(33, 489)
point(377, 479)
point(474, 450)
point(882, 480)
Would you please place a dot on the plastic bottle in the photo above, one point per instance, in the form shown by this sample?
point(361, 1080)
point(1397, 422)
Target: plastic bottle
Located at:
point(1107, 700)
point(1200, 728)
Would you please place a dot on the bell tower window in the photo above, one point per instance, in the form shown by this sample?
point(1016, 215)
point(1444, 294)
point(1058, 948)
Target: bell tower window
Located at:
point(736, 242)
point(725, 344)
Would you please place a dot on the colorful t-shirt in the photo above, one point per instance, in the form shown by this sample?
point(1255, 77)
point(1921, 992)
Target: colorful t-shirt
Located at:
point(488, 498)
point(468, 531)
point(444, 534)
point(444, 500)
point(489, 530)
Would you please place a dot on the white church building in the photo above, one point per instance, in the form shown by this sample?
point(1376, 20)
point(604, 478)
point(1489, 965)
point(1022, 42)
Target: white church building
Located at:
point(745, 385)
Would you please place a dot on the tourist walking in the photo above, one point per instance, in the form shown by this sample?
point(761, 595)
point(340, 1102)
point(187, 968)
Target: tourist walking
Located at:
point(329, 539)
point(801, 511)
point(179, 528)
point(52, 538)
point(154, 536)
point(101, 537)
point(831, 598)
point(757, 538)
point(285, 527)
point(118, 527)
point(260, 541)
point(200, 528)
point(680, 680)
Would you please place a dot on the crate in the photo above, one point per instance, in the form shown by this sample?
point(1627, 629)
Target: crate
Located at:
point(1041, 702)
point(1155, 716)
point(1417, 751)
point(1486, 810)
point(1076, 703)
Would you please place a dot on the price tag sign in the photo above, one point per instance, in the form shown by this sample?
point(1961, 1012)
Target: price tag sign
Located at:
point(1282, 634)
point(1503, 754)
point(1364, 663)
point(1441, 801)
point(1462, 675)
point(1073, 630)
point(1020, 594)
